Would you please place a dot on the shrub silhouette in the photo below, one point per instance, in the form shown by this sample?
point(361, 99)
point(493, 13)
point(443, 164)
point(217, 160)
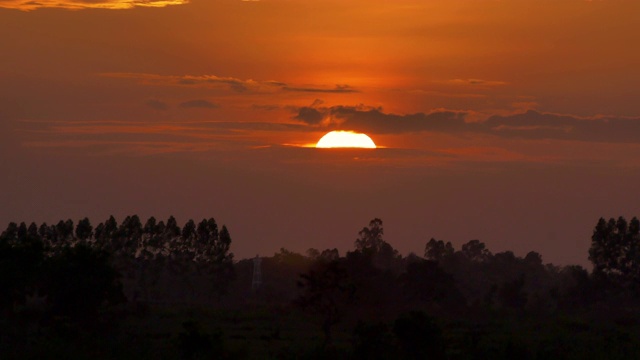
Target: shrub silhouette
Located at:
point(80, 281)
point(418, 336)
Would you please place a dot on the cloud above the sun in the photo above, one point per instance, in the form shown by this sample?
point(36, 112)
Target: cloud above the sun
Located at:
point(87, 4)
point(530, 124)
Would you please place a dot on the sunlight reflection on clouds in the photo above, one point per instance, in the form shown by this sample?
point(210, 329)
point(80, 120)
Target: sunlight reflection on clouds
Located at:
point(79, 5)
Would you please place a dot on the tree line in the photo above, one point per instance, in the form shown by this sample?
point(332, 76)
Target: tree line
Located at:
point(445, 301)
point(374, 282)
point(81, 259)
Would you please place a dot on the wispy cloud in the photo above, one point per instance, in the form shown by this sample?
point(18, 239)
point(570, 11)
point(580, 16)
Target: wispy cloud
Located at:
point(198, 103)
point(443, 94)
point(336, 89)
point(152, 136)
point(233, 83)
point(87, 4)
point(477, 82)
point(157, 104)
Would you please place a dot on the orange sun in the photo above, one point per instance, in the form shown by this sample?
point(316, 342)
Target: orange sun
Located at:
point(345, 139)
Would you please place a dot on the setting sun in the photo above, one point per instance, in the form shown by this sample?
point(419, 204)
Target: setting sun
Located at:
point(345, 139)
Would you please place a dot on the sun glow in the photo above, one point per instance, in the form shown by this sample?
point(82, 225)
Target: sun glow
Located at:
point(345, 139)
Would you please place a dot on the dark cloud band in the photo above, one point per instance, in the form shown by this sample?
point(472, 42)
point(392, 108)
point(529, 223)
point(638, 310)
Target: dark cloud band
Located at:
point(528, 125)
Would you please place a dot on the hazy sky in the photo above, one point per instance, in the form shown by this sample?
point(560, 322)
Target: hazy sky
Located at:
point(516, 122)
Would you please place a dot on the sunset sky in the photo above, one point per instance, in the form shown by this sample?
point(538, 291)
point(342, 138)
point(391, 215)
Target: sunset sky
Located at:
point(515, 122)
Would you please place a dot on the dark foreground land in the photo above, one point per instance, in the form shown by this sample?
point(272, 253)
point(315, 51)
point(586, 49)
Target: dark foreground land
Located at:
point(276, 333)
point(158, 291)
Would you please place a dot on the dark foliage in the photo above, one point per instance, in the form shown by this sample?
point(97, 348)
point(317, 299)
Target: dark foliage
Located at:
point(426, 282)
point(194, 343)
point(326, 290)
point(79, 281)
point(373, 341)
point(21, 257)
point(615, 253)
point(419, 337)
point(372, 303)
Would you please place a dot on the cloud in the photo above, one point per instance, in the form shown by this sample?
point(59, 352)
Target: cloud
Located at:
point(235, 84)
point(338, 89)
point(157, 104)
point(360, 118)
point(460, 95)
point(528, 125)
point(536, 125)
point(227, 130)
point(87, 4)
point(199, 103)
point(310, 115)
point(476, 82)
point(147, 137)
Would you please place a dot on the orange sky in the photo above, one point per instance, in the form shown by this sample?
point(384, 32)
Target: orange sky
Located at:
point(502, 115)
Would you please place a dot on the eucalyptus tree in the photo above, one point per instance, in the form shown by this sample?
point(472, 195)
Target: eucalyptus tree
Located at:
point(370, 238)
point(371, 244)
point(64, 232)
point(147, 266)
point(221, 261)
point(21, 256)
point(84, 230)
point(130, 235)
point(437, 250)
point(615, 252)
point(105, 234)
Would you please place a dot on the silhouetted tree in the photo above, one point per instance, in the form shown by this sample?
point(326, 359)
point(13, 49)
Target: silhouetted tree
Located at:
point(378, 251)
point(172, 229)
point(64, 231)
point(45, 233)
point(80, 280)
point(185, 246)
point(426, 282)
point(220, 260)
point(330, 254)
point(84, 230)
point(150, 231)
point(512, 294)
point(326, 291)
point(105, 234)
point(129, 236)
point(21, 256)
point(370, 238)
point(576, 288)
point(280, 275)
point(437, 250)
point(615, 251)
point(313, 253)
point(475, 250)
point(533, 258)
